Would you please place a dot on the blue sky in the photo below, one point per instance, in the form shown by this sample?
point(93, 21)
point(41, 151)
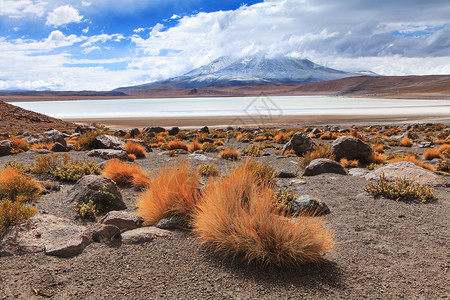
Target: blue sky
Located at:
point(104, 44)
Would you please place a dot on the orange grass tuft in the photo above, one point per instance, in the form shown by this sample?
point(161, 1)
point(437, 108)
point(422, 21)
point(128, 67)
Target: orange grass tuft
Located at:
point(16, 186)
point(173, 190)
point(237, 217)
point(413, 159)
point(429, 154)
point(137, 149)
point(47, 146)
point(445, 147)
point(377, 158)
point(177, 144)
point(229, 153)
point(349, 163)
point(194, 146)
point(20, 144)
point(121, 172)
point(406, 142)
point(325, 136)
point(378, 148)
point(219, 143)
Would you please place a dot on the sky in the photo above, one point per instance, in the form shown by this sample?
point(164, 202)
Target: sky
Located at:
point(105, 44)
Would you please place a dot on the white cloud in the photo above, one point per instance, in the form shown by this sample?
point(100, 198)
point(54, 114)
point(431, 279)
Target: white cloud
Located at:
point(85, 3)
point(63, 15)
point(137, 30)
point(102, 38)
point(174, 17)
point(85, 30)
point(156, 29)
point(90, 49)
point(22, 8)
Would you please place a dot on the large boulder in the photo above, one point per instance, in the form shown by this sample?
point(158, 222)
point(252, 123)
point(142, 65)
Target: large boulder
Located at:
point(300, 143)
point(408, 170)
point(108, 142)
point(45, 233)
point(123, 220)
point(6, 147)
point(54, 136)
point(324, 165)
point(108, 154)
point(102, 190)
point(350, 147)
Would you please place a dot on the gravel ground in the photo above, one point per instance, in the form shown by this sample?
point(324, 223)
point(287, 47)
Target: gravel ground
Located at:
point(385, 250)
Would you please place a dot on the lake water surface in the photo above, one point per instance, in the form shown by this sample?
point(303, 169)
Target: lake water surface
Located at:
point(237, 106)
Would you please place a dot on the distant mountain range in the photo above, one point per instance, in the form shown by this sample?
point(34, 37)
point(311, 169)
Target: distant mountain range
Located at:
point(225, 71)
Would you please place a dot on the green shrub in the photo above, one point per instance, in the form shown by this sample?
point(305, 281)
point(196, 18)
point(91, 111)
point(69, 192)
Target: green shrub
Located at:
point(91, 206)
point(285, 198)
point(400, 189)
point(74, 170)
point(443, 165)
point(13, 212)
point(208, 170)
point(319, 151)
point(48, 163)
point(253, 150)
point(209, 147)
point(84, 141)
point(86, 210)
point(16, 165)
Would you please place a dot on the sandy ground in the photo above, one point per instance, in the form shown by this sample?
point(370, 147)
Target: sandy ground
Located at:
point(385, 250)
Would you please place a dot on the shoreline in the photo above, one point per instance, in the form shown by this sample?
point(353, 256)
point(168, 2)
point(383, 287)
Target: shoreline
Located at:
point(263, 121)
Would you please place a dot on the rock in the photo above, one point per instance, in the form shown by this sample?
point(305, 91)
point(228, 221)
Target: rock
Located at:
point(300, 143)
point(108, 142)
point(285, 174)
point(45, 233)
point(323, 165)
point(39, 151)
point(204, 129)
point(104, 233)
point(84, 128)
point(54, 136)
point(297, 181)
point(91, 186)
point(174, 222)
point(174, 131)
point(155, 129)
point(358, 172)
point(108, 154)
point(200, 157)
point(134, 132)
point(351, 148)
point(58, 147)
point(308, 205)
point(143, 235)
point(6, 147)
point(123, 220)
point(408, 170)
point(120, 132)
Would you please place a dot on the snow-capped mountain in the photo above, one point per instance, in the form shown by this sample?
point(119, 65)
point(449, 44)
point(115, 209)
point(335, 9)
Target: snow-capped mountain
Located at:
point(225, 71)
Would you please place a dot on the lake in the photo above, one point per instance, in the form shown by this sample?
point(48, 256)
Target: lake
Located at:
point(238, 106)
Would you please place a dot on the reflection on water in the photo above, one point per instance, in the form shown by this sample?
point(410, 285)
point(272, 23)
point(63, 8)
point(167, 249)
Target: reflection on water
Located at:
point(239, 106)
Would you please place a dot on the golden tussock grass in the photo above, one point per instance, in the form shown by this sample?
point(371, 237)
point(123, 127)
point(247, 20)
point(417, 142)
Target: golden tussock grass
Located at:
point(219, 143)
point(72, 140)
point(445, 147)
point(440, 141)
point(177, 144)
point(131, 157)
point(378, 148)
point(406, 142)
point(194, 146)
point(20, 144)
point(238, 217)
point(121, 172)
point(16, 186)
point(137, 149)
point(259, 139)
point(325, 136)
point(431, 153)
point(377, 158)
point(229, 153)
point(349, 163)
point(319, 151)
point(413, 159)
point(174, 190)
point(354, 133)
point(47, 146)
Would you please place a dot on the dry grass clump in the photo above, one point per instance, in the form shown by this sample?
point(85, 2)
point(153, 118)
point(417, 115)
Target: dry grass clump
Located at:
point(16, 186)
point(209, 147)
point(264, 173)
point(238, 217)
point(229, 153)
point(429, 154)
point(377, 158)
point(349, 163)
point(123, 173)
point(444, 148)
point(319, 151)
point(208, 170)
point(253, 150)
point(177, 144)
point(173, 190)
point(443, 165)
point(406, 142)
point(282, 138)
point(400, 189)
point(441, 141)
point(219, 143)
point(47, 146)
point(378, 148)
point(20, 144)
point(413, 159)
point(13, 212)
point(194, 146)
point(85, 140)
point(325, 136)
point(137, 149)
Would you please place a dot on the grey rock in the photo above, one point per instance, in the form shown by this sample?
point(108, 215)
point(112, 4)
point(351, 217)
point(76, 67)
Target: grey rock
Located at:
point(309, 206)
point(300, 143)
point(174, 131)
point(123, 220)
point(174, 222)
point(200, 157)
point(155, 129)
point(351, 148)
point(108, 142)
point(297, 182)
point(104, 233)
point(45, 233)
point(6, 147)
point(204, 129)
point(90, 186)
point(134, 132)
point(323, 165)
point(85, 128)
point(120, 132)
point(108, 154)
point(54, 136)
point(58, 147)
point(143, 235)
point(358, 172)
point(286, 174)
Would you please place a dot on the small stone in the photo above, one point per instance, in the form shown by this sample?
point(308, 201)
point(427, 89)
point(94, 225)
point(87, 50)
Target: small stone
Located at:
point(308, 205)
point(286, 174)
point(104, 233)
point(297, 181)
point(123, 220)
point(58, 147)
point(174, 222)
point(108, 154)
point(323, 165)
point(143, 235)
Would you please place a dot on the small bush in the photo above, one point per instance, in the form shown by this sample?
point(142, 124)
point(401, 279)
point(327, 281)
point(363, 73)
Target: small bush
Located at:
point(325, 136)
point(378, 148)
point(91, 206)
point(444, 148)
point(349, 163)
point(219, 143)
point(285, 198)
point(174, 190)
point(237, 217)
point(121, 172)
point(74, 170)
point(208, 170)
point(20, 144)
point(209, 147)
point(228, 153)
point(194, 146)
point(16, 186)
point(263, 173)
point(131, 157)
point(137, 149)
point(406, 142)
point(177, 144)
point(266, 144)
point(253, 150)
point(46, 146)
point(16, 165)
point(48, 163)
point(86, 210)
point(319, 151)
point(84, 141)
point(282, 138)
point(377, 158)
point(429, 154)
point(13, 212)
point(400, 189)
point(443, 165)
